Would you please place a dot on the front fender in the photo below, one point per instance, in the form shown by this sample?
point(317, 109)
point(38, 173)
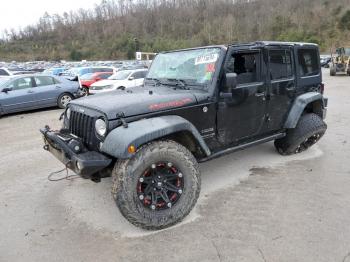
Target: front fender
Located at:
point(299, 105)
point(140, 132)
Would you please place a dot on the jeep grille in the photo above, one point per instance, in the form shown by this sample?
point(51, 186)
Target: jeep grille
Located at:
point(82, 126)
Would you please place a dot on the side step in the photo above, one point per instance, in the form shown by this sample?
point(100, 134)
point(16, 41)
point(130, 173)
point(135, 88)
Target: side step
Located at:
point(242, 146)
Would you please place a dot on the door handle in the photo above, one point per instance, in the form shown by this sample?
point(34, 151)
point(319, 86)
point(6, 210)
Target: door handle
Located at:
point(290, 88)
point(58, 87)
point(30, 91)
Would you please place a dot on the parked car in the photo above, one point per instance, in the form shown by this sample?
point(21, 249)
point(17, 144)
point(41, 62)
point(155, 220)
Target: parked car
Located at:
point(120, 80)
point(54, 71)
point(74, 72)
point(20, 93)
point(325, 60)
point(5, 72)
point(90, 78)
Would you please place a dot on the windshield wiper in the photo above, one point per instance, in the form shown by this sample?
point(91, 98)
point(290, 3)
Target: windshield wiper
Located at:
point(179, 83)
point(155, 81)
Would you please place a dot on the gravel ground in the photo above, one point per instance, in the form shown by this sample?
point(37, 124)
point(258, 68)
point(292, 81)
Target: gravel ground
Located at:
point(255, 205)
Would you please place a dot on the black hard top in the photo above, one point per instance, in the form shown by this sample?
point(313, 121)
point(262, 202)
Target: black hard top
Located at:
point(250, 44)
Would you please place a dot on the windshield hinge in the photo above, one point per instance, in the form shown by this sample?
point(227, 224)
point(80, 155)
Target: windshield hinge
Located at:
point(121, 116)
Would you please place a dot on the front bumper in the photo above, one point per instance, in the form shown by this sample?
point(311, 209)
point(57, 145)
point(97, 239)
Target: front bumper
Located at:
point(84, 163)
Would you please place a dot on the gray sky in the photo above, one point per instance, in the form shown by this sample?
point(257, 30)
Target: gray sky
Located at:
point(19, 13)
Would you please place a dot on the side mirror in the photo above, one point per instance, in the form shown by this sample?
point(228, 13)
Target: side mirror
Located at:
point(131, 78)
point(231, 81)
point(230, 85)
point(6, 89)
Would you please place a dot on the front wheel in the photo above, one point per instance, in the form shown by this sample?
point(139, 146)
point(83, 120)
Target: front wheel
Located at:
point(308, 131)
point(158, 186)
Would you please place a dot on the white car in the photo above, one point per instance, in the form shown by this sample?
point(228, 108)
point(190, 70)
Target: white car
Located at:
point(120, 80)
point(5, 72)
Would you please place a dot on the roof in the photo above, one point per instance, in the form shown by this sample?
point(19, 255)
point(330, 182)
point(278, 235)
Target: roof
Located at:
point(273, 43)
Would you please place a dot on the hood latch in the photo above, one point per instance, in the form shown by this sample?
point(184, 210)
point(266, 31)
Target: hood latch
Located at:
point(121, 116)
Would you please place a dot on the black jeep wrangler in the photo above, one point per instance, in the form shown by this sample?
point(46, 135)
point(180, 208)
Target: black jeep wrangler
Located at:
point(196, 104)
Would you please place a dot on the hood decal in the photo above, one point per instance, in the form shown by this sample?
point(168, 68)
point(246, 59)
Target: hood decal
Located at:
point(170, 104)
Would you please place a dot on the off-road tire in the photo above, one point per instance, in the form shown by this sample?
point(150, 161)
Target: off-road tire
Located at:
point(126, 175)
point(60, 102)
point(332, 70)
point(308, 131)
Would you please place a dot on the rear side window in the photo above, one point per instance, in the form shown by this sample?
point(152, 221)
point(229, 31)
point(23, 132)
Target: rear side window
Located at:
point(280, 64)
point(44, 80)
point(308, 62)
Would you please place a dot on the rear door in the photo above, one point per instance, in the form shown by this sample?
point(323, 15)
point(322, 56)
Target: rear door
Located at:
point(47, 91)
point(21, 97)
point(282, 85)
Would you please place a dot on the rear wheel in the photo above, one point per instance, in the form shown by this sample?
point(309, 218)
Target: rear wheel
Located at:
point(332, 70)
point(308, 131)
point(158, 187)
point(64, 99)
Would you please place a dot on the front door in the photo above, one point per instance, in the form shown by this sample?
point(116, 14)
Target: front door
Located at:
point(20, 97)
point(244, 115)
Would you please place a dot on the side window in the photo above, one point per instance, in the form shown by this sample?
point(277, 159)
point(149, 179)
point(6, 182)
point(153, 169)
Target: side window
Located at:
point(245, 65)
point(104, 76)
point(44, 80)
point(21, 83)
point(280, 64)
point(308, 62)
point(138, 75)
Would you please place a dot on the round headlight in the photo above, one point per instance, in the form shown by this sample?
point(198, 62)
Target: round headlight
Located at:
point(68, 113)
point(101, 127)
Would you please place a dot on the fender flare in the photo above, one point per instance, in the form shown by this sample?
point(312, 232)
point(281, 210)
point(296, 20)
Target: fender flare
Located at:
point(299, 105)
point(145, 130)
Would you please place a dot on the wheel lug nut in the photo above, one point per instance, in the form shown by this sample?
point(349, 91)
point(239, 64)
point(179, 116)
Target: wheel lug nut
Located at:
point(141, 197)
point(141, 179)
point(154, 189)
point(153, 166)
point(153, 207)
point(170, 164)
point(169, 205)
point(180, 191)
point(180, 175)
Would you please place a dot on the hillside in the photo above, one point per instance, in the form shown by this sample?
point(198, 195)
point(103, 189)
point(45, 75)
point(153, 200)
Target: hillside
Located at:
point(114, 29)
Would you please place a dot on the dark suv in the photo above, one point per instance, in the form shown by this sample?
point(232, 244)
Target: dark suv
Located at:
point(196, 104)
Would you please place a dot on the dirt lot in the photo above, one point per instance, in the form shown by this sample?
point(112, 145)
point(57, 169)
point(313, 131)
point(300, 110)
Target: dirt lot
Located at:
point(255, 205)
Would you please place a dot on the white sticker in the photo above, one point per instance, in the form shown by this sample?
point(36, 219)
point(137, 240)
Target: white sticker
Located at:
point(206, 59)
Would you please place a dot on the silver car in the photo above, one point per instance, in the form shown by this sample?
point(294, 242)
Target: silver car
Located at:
point(25, 92)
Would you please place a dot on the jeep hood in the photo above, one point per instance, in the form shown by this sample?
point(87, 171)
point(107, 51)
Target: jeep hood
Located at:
point(137, 101)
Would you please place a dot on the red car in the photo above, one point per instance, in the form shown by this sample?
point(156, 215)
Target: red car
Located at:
point(90, 78)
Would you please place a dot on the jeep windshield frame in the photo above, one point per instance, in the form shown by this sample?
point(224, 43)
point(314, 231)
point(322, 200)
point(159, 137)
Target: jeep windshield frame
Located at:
point(193, 68)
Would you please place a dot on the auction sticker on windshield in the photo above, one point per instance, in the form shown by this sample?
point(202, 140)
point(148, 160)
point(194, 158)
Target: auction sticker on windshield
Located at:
point(205, 59)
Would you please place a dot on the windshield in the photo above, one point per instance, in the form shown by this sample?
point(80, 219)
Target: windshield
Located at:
point(192, 66)
point(88, 76)
point(120, 75)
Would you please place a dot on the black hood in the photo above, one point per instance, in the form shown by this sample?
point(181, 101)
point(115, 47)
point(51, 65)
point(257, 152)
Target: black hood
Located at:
point(137, 101)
